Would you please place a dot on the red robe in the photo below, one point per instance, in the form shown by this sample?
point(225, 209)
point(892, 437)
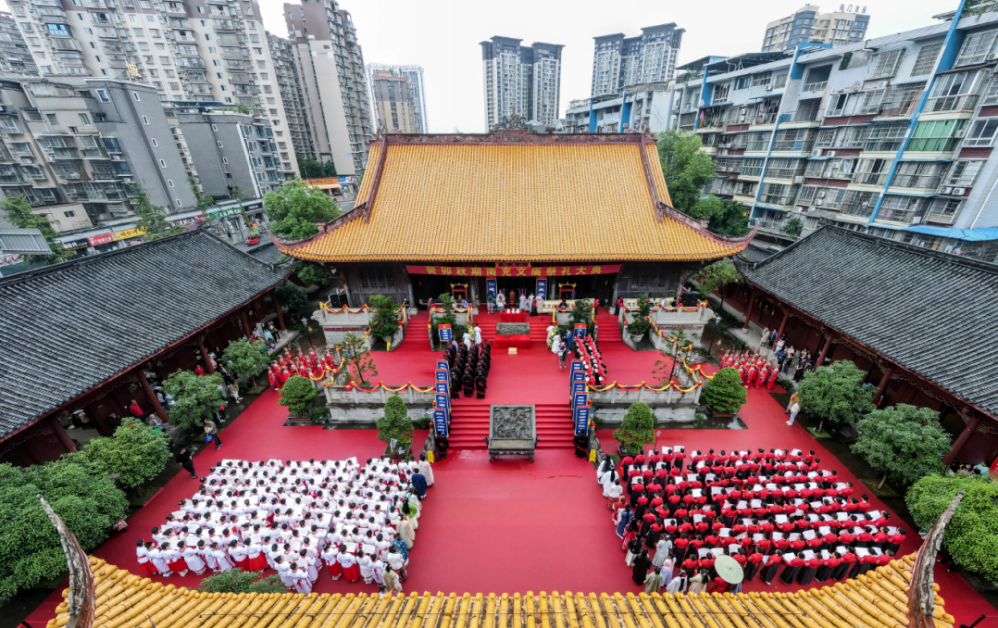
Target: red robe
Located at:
point(199, 370)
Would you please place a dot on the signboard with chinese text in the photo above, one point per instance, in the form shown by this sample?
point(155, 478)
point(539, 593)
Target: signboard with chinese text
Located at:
point(445, 333)
point(581, 418)
point(580, 330)
point(542, 289)
point(97, 240)
point(442, 376)
point(440, 421)
point(127, 233)
point(514, 271)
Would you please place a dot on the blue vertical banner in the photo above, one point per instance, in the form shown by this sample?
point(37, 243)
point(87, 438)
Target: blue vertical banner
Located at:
point(445, 334)
point(580, 399)
point(443, 365)
point(442, 400)
point(542, 289)
point(581, 418)
point(441, 376)
point(491, 286)
point(578, 366)
point(580, 330)
point(440, 421)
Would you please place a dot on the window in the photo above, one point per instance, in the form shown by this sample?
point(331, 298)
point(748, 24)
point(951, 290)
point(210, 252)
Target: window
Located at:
point(160, 46)
point(102, 95)
point(154, 32)
point(261, 64)
point(975, 48)
point(817, 78)
point(885, 64)
point(963, 173)
point(214, 127)
point(170, 74)
point(135, 97)
point(154, 73)
point(145, 119)
point(780, 80)
point(177, 201)
point(170, 182)
point(926, 59)
point(743, 82)
point(69, 214)
point(939, 135)
point(85, 119)
point(153, 141)
point(162, 162)
point(759, 80)
point(219, 143)
point(982, 133)
point(264, 76)
point(52, 119)
point(225, 160)
point(944, 210)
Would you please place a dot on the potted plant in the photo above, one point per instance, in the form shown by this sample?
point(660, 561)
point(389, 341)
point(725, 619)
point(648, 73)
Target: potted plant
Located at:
point(640, 325)
point(385, 322)
point(396, 426)
point(724, 393)
point(302, 400)
point(636, 430)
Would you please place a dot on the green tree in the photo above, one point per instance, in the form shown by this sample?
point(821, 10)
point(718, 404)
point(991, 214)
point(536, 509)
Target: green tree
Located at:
point(714, 277)
point(204, 202)
point(311, 273)
point(971, 536)
point(17, 210)
point(298, 395)
point(636, 429)
point(246, 358)
point(243, 109)
point(136, 453)
point(726, 217)
point(835, 394)
point(195, 398)
point(395, 424)
point(385, 322)
point(309, 168)
point(356, 355)
point(151, 217)
point(725, 392)
point(903, 442)
point(238, 581)
point(639, 325)
point(295, 208)
point(667, 365)
point(292, 296)
point(793, 227)
point(329, 169)
point(687, 169)
point(85, 498)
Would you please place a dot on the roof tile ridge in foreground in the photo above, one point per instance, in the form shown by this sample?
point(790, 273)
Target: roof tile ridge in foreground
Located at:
point(87, 260)
point(666, 210)
point(921, 251)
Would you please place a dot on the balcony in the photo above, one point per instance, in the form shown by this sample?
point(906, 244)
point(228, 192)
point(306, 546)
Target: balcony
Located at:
point(938, 104)
point(904, 109)
point(793, 146)
point(765, 118)
point(781, 200)
point(870, 178)
point(916, 181)
point(883, 146)
point(818, 86)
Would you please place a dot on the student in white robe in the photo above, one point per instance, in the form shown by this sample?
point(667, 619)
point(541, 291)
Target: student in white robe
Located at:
point(156, 558)
point(392, 581)
point(364, 562)
point(299, 576)
point(194, 560)
point(222, 558)
point(426, 469)
point(677, 584)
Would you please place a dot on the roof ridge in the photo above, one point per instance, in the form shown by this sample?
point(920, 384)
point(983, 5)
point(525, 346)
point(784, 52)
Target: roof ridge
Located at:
point(919, 250)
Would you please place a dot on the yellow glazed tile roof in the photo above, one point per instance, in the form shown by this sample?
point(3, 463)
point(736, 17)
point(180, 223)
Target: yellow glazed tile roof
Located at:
point(508, 202)
point(873, 600)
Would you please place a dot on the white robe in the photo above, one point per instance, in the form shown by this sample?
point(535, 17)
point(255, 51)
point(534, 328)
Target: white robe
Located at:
point(676, 585)
point(224, 562)
point(427, 470)
point(194, 561)
point(478, 335)
point(156, 556)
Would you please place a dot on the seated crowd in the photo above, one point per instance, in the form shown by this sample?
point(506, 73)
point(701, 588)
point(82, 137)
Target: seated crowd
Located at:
point(292, 517)
point(766, 510)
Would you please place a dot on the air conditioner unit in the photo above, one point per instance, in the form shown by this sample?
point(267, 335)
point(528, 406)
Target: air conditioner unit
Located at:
point(960, 133)
point(819, 202)
point(915, 220)
point(50, 159)
point(769, 87)
point(798, 179)
point(959, 191)
point(75, 175)
point(831, 153)
point(993, 56)
point(816, 152)
point(946, 190)
point(821, 194)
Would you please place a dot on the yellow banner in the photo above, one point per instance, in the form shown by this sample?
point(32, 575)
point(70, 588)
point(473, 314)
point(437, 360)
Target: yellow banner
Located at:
point(127, 233)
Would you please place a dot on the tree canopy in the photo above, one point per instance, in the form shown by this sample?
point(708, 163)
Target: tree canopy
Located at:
point(687, 169)
point(385, 322)
point(136, 452)
point(637, 428)
point(83, 496)
point(292, 296)
point(971, 536)
point(151, 217)
point(312, 169)
point(724, 216)
point(395, 424)
point(298, 395)
point(246, 358)
point(311, 273)
point(835, 394)
point(903, 442)
point(195, 398)
point(294, 209)
point(725, 392)
point(17, 211)
point(238, 581)
point(714, 277)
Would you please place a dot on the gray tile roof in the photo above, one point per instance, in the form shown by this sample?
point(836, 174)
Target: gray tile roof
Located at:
point(753, 253)
point(67, 328)
point(926, 311)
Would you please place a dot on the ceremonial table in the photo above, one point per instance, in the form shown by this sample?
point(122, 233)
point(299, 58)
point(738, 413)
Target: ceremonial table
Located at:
point(520, 341)
point(512, 317)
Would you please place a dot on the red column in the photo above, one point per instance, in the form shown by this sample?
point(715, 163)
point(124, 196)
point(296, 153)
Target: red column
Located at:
point(962, 439)
point(61, 434)
point(886, 379)
point(824, 350)
point(748, 309)
point(97, 421)
point(151, 396)
point(277, 309)
point(783, 323)
point(246, 325)
point(204, 355)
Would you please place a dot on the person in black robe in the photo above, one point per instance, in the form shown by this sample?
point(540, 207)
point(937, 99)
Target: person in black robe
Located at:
point(823, 572)
point(480, 385)
point(769, 571)
point(790, 571)
point(469, 384)
point(455, 384)
point(641, 565)
point(808, 571)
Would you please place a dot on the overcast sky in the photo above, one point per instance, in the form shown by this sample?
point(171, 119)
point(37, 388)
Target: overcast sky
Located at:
point(443, 36)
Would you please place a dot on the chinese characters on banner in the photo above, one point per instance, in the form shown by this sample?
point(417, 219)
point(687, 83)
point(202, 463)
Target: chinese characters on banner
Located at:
point(445, 334)
point(542, 289)
point(490, 272)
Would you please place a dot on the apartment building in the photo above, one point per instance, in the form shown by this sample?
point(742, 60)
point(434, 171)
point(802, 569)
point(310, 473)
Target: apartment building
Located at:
point(846, 26)
point(393, 103)
point(521, 80)
point(417, 84)
point(324, 38)
point(295, 98)
point(893, 137)
point(15, 58)
point(189, 50)
point(620, 61)
point(639, 108)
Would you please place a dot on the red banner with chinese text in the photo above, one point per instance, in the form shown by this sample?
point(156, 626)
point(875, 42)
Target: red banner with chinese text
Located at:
point(514, 271)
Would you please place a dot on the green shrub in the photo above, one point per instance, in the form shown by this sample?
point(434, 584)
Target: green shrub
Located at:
point(640, 325)
point(637, 428)
point(422, 423)
point(298, 395)
point(195, 398)
point(971, 536)
point(84, 497)
point(238, 581)
point(725, 393)
point(395, 424)
point(292, 296)
point(137, 453)
point(903, 442)
point(385, 322)
point(835, 394)
point(311, 273)
point(246, 358)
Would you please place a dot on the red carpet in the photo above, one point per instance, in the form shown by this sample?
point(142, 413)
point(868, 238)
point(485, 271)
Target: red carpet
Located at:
point(510, 525)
